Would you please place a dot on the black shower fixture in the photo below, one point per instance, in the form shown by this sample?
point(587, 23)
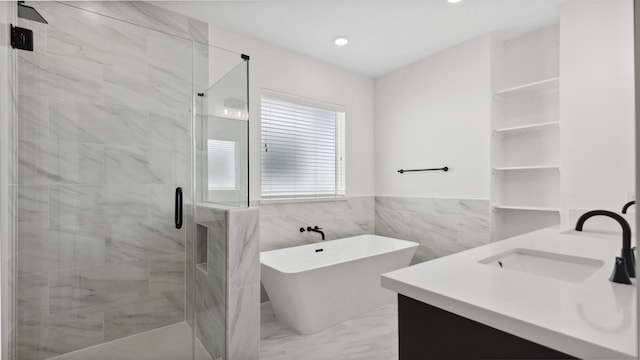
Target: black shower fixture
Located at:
point(30, 13)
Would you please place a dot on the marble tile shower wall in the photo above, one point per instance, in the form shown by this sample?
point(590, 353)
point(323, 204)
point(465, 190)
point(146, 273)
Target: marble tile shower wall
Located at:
point(103, 125)
point(441, 226)
point(8, 249)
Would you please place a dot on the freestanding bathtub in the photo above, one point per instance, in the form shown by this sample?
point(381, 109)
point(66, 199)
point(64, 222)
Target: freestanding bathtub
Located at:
point(315, 286)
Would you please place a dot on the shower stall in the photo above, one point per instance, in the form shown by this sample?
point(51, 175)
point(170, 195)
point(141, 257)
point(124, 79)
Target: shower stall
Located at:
point(130, 153)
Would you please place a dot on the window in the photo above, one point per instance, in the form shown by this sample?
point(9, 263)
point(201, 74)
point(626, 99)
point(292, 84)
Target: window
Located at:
point(302, 148)
point(221, 157)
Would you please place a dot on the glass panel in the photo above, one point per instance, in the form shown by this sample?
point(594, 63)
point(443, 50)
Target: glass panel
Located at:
point(225, 124)
point(221, 177)
point(105, 138)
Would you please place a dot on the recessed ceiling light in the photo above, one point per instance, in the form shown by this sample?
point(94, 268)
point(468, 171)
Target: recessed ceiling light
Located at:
point(453, 1)
point(341, 40)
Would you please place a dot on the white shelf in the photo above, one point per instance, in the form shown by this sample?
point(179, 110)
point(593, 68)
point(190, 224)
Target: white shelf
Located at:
point(541, 85)
point(526, 208)
point(527, 128)
point(536, 167)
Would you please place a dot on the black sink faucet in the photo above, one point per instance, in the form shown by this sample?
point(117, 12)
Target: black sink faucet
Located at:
point(316, 229)
point(626, 260)
point(626, 206)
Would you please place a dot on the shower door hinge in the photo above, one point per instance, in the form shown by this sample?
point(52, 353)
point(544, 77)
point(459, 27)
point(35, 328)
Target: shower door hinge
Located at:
point(21, 38)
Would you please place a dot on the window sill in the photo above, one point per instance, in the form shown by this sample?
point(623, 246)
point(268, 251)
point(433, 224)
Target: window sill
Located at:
point(301, 200)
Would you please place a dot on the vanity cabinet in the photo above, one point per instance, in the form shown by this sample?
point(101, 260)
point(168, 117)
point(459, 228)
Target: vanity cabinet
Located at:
point(427, 332)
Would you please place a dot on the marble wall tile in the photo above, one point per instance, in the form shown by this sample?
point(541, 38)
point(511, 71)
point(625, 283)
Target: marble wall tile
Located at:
point(139, 13)
point(166, 132)
point(244, 323)
point(142, 313)
point(74, 34)
point(41, 250)
point(211, 281)
point(143, 240)
point(441, 226)
point(280, 222)
point(71, 205)
point(33, 204)
point(190, 264)
point(243, 247)
point(212, 333)
point(34, 117)
point(61, 77)
point(78, 288)
point(217, 250)
point(98, 124)
point(137, 165)
point(167, 275)
point(211, 295)
point(33, 296)
point(198, 30)
point(44, 162)
point(123, 202)
point(58, 334)
point(171, 84)
point(170, 53)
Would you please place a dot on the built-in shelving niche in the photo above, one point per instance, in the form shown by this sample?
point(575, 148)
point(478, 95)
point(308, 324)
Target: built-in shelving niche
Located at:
point(201, 244)
point(525, 137)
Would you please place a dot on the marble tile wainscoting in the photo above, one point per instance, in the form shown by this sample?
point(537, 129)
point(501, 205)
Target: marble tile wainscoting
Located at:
point(441, 226)
point(280, 221)
point(104, 123)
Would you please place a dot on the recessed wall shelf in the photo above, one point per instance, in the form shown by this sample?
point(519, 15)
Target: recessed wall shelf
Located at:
point(527, 128)
point(519, 168)
point(526, 208)
point(525, 136)
point(535, 86)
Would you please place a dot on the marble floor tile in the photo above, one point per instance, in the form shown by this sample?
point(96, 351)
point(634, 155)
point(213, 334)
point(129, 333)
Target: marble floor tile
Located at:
point(168, 343)
point(373, 335)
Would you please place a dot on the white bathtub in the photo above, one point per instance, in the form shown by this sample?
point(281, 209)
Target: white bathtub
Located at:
point(312, 287)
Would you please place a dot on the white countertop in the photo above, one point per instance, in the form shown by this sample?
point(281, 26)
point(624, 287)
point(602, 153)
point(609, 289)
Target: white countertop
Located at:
point(592, 319)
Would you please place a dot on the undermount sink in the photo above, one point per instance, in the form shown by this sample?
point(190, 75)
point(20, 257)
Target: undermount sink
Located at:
point(552, 265)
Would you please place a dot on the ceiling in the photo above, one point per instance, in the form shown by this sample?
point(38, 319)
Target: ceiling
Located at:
point(384, 34)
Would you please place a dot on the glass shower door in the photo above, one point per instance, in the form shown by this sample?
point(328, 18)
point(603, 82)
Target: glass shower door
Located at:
point(104, 139)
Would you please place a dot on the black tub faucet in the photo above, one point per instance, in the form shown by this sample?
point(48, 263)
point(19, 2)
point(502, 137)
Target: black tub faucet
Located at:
point(626, 206)
point(316, 229)
point(626, 263)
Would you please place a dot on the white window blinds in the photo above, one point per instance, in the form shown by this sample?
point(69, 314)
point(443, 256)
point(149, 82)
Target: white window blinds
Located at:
point(302, 148)
point(221, 158)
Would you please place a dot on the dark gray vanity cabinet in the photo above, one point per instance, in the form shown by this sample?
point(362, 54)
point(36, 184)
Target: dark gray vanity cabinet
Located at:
point(428, 332)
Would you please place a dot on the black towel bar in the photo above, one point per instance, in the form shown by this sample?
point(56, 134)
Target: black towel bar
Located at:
point(401, 171)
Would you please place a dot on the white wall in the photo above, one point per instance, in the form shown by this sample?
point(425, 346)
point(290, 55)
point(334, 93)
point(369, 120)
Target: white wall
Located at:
point(281, 70)
point(597, 103)
point(434, 113)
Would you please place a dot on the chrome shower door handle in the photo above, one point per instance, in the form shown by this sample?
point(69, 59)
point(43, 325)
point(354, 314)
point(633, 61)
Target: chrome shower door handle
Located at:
point(178, 211)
